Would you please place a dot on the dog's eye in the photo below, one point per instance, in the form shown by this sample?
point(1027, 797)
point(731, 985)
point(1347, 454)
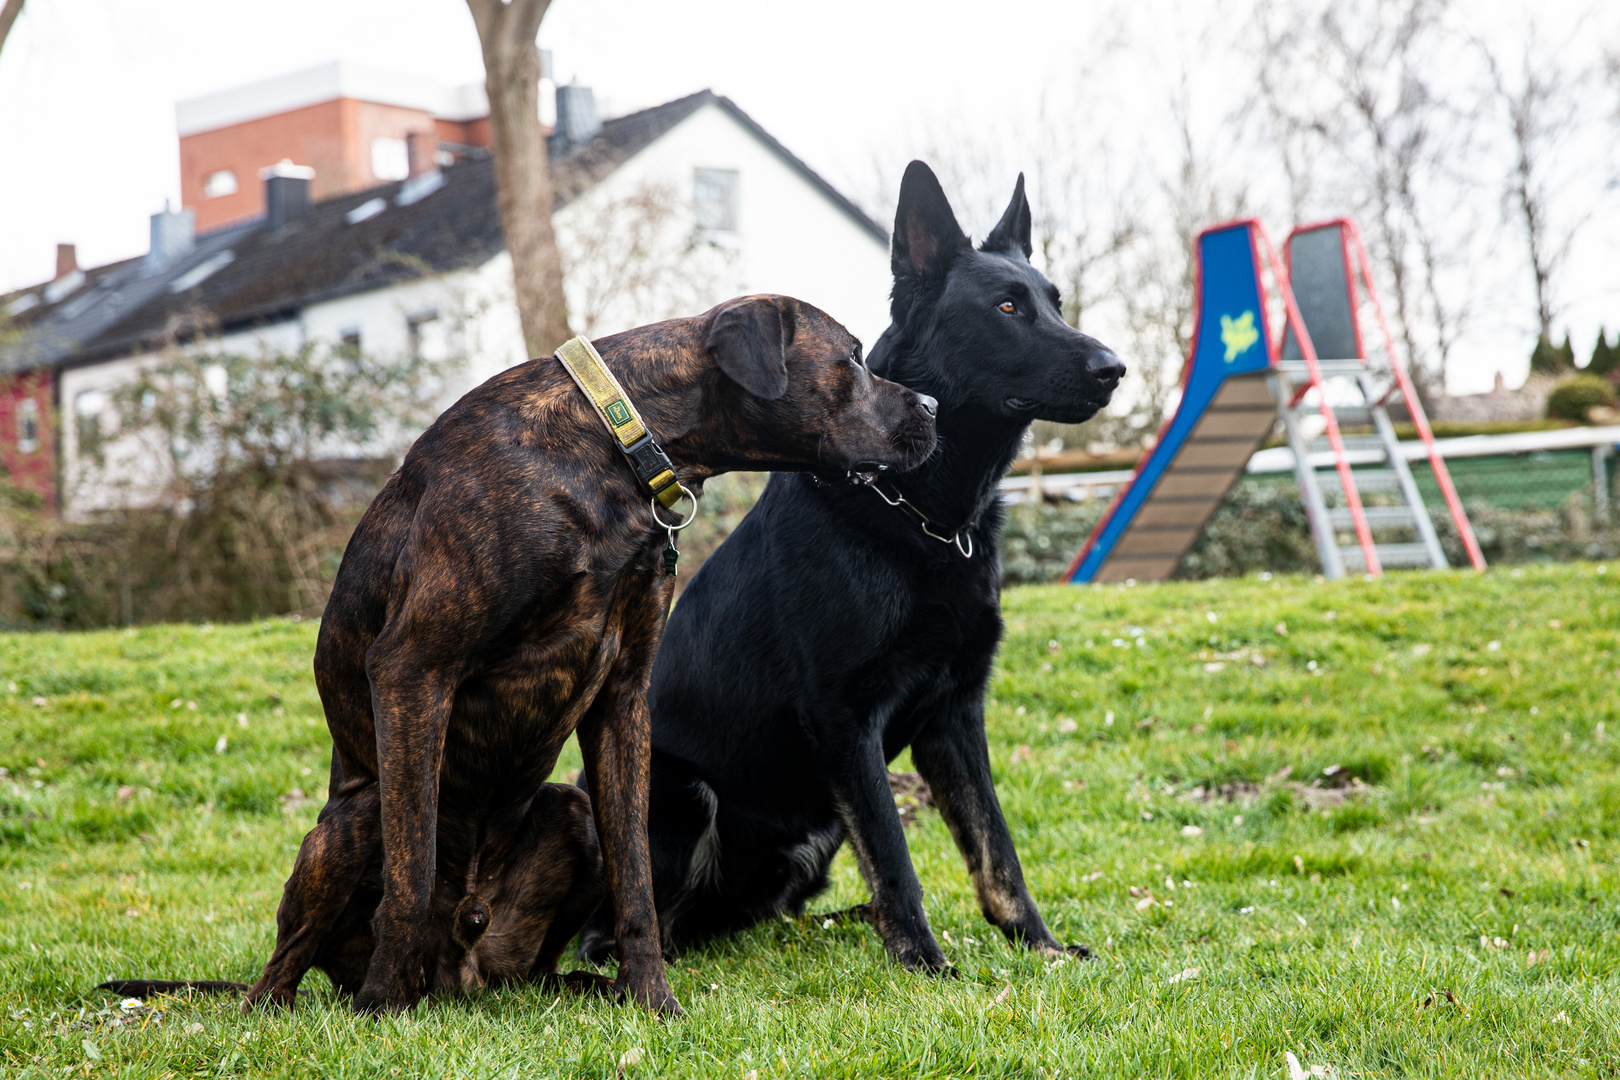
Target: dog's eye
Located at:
point(1007, 307)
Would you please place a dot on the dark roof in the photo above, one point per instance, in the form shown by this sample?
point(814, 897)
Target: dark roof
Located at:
point(261, 276)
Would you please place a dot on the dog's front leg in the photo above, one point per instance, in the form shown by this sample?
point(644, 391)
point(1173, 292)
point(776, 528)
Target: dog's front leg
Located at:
point(616, 739)
point(860, 781)
point(411, 700)
point(951, 754)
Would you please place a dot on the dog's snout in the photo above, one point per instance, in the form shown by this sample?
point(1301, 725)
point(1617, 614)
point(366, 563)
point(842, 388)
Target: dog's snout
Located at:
point(928, 405)
point(1104, 366)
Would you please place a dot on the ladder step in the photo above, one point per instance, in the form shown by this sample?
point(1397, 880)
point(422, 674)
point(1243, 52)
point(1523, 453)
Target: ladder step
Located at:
point(1327, 367)
point(1378, 517)
point(1352, 443)
point(1388, 554)
point(1352, 415)
point(1366, 480)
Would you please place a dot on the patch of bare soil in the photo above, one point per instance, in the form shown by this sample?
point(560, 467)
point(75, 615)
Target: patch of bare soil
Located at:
point(911, 794)
point(1331, 789)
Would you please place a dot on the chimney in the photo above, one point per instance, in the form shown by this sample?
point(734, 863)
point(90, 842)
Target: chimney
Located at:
point(1500, 384)
point(174, 233)
point(286, 191)
point(421, 152)
point(67, 260)
point(577, 122)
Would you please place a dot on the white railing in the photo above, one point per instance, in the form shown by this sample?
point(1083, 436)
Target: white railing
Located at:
point(1602, 441)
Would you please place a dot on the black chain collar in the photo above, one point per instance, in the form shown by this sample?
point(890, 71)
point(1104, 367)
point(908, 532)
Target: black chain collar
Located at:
point(961, 539)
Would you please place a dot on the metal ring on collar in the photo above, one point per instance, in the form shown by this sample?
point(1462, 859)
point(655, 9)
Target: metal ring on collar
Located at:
point(662, 524)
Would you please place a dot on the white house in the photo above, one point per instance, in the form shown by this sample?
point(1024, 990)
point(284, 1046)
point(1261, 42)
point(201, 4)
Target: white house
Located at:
point(662, 212)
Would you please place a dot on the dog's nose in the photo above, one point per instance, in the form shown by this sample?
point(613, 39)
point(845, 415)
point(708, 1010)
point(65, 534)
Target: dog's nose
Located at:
point(928, 405)
point(1104, 366)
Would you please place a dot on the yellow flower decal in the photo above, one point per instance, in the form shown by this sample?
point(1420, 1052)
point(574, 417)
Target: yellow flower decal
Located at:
point(1238, 335)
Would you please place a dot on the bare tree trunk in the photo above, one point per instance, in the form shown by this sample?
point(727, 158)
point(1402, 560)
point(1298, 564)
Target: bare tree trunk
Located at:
point(8, 15)
point(506, 32)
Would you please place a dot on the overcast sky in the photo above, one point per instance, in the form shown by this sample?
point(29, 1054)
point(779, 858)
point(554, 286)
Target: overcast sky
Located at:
point(87, 87)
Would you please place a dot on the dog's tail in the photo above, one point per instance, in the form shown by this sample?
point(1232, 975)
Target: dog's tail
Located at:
point(148, 987)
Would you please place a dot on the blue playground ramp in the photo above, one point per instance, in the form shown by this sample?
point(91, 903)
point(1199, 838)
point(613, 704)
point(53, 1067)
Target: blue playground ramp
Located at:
point(1226, 412)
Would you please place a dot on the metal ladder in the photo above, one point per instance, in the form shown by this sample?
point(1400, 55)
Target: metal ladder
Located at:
point(1362, 462)
point(1401, 534)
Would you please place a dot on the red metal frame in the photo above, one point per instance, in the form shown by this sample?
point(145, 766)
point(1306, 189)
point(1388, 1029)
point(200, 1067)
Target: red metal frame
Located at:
point(1296, 322)
point(1442, 475)
point(1280, 269)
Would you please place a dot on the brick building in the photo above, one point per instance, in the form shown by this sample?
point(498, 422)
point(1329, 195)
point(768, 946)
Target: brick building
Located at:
point(354, 126)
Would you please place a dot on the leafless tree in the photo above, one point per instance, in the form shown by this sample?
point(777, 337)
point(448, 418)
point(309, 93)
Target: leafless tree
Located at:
point(8, 16)
point(1538, 99)
point(1349, 83)
point(506, 33)
point(1154, 280)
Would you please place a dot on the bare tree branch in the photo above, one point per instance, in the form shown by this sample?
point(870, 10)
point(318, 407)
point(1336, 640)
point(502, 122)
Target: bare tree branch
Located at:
point(1540, 103)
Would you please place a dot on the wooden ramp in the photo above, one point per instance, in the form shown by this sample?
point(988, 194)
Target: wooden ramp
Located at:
point(1226, 411)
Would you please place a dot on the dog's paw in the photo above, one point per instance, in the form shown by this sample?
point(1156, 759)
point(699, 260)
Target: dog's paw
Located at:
point(926, 960)
point(655, 996)
point(377, 1000)
point(1075, 952)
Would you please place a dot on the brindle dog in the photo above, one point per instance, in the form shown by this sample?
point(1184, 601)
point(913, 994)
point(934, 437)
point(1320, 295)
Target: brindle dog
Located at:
point(505, 588)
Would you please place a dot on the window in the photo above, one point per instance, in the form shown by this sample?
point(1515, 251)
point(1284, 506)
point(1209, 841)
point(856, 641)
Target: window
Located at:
point(219, 183)
point(390, 160)
point(88, 405)
point(349, 340)
point(28, 425)
point(714, 195)
point(417, 325)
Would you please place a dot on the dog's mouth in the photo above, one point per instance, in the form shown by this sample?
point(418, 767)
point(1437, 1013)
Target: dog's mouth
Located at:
point(1019, 404)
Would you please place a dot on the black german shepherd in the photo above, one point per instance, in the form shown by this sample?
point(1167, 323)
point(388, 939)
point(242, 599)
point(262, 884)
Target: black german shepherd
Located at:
point(844, 621)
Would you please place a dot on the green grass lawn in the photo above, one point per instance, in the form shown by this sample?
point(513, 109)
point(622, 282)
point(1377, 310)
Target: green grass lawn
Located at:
point(1371, 823)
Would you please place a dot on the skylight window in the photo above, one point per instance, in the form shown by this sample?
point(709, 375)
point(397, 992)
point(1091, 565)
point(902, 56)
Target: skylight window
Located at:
point(65, 285)
point(222, 182)
point(25, 302)
point(419, 187)
point(366, 211)
point(202, 271)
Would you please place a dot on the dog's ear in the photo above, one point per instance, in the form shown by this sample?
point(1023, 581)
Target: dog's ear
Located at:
point(926, 235)
point(1013, 228)
point(749, 340)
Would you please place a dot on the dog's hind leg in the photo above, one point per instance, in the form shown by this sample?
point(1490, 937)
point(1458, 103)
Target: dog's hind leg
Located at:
point(331, 862)
point(951, 754)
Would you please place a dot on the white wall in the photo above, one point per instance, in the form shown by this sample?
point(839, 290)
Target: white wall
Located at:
point(790, 239)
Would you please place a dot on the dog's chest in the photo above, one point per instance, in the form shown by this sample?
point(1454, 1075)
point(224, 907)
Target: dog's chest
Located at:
point(945, 647)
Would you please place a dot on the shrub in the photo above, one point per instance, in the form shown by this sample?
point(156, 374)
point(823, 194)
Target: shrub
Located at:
point(1549, 359)
point(1605, 357)
point(1573, 398)
point(267, 463)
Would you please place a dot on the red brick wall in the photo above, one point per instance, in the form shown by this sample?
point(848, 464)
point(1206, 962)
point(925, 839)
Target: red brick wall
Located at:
point(33, 470)
point(334, 138)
